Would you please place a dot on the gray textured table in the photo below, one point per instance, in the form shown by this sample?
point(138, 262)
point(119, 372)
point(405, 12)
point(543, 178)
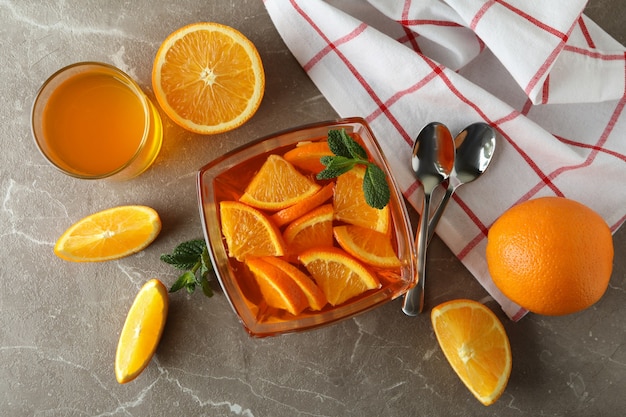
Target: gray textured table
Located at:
point(59, 321)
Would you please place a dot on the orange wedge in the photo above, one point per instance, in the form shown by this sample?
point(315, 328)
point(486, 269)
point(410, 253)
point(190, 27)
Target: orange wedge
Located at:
point(278, 185)
point(314, 229)
point(109, 234)
point(289, 214)
point(278, 289)
point(340, 276)
point(367, 245)
point(313, 293)
point(476, 345)
point(306, 155)
point(142, 331)
point(249, 232)
point(208, 78)
point(350, 204)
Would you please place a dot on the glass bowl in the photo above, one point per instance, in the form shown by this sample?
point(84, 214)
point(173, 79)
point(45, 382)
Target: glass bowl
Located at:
point(226, 178)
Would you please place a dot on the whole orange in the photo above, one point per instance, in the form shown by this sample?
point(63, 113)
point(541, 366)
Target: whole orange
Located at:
point(551, 255)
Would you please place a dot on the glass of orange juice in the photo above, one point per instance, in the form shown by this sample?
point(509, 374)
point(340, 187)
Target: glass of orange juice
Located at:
point(92, 121)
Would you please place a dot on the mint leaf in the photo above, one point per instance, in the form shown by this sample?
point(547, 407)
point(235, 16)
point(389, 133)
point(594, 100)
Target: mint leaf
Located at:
point(356, 150)
point(185, 255)
point(206, 287)
point(193, 257)
point(375, 187)
point(348, 154)
point(336, 143)
point(187, 280)
point(335, 166)
point(205, 269)
point(206, 266)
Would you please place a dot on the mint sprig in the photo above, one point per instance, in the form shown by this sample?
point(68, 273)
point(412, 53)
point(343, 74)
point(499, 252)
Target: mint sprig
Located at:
point(192, 257)
point(348, 154)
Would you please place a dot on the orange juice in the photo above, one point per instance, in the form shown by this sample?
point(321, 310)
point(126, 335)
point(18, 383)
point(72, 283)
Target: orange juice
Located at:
point(92, 121)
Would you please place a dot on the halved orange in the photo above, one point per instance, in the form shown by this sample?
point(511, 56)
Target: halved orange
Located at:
point(340, 276)
point(208, 78)
point(249, 232)
point(306, 155)
point(142, 331)
point(315, 296)
point(476, 345)
point(314, 229)
point(278, 289)
point(109, 234)
point(289, 214)
point(278, 185)
point(351, 207)
point(367, 245)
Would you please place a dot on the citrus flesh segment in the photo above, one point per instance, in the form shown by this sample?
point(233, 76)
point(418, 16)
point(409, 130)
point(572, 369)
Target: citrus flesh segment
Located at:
point(306, 156)
point(208, 77)
point(351, 207)
point(340, 276)
point(278, 289)
point(248, 232)
point(314, 295)
point(289, 214)
point(278, 185)
point(109, 234)
point(314, 229)
point(367, 245)
point(142, 331)
point(476, 346)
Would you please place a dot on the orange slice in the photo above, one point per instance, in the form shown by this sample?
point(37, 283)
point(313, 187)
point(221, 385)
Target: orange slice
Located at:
point(278, 185)
point(340, 276)
point(208, 78)
point(142, 331)
point(350, 204)
point(314, 295)
point(109, 234)
point(289, 214)
point(476, 345)
point(367, 245)
point(306, 155)
point(249, 232)
point(314, 229)
point(278, 289)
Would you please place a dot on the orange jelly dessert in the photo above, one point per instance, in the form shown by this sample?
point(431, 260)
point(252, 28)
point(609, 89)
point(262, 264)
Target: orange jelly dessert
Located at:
point(300, 252)
point(273, 184)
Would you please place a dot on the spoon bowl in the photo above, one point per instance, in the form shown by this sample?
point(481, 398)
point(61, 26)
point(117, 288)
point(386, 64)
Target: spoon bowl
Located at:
point(432, 161)
point(475, 146)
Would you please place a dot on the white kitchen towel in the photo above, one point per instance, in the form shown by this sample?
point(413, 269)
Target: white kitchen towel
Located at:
point(550, 81)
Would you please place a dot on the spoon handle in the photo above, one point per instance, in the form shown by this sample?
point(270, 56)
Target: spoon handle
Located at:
point(414, 298)
point(434, 220)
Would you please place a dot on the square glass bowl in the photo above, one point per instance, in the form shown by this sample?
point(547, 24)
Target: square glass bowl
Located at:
point(226, 179)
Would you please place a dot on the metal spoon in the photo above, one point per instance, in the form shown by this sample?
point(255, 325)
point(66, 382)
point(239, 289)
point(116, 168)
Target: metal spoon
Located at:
point(475, 146)
point(432, 161)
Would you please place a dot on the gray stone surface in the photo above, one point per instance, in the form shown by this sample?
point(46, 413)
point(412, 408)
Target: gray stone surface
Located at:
point(59, 321)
